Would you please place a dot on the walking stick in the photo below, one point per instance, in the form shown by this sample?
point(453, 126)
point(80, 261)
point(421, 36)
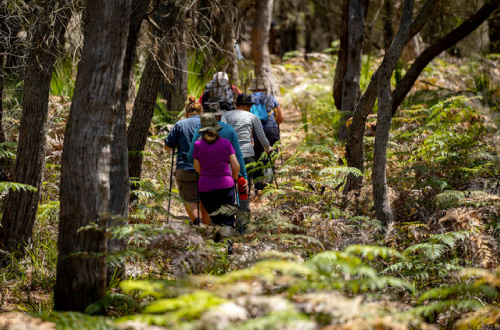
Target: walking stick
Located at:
point(170, 186)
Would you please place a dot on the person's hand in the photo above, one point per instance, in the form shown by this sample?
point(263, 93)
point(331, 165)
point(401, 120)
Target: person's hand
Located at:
point(270, 151)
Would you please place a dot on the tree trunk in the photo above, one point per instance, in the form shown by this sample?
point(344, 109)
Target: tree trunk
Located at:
point(354, 145)
point(20, 212)
point(174, 89)
point(341, 67)
point(260, 37)
point(380, 196)
point(152, 76)
point(85, 168)
point(119, 178)
point(462, 31)
point(494, 32)
point(350, 83)
point(387, 18)
point(227, 26)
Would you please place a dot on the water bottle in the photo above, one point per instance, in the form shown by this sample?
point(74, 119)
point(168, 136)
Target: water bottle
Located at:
point(242, 191)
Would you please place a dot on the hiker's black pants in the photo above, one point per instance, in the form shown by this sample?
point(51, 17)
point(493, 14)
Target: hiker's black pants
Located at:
point(273, 135)
point(214, 199)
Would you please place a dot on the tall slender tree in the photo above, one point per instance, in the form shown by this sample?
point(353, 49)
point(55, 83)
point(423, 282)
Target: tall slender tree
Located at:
point(119, 177)
point(356, 13)
point(169, 15)
point(260, 37)
point(85, 168)
point(380, 191)
point(20, 211)
point(354, 144)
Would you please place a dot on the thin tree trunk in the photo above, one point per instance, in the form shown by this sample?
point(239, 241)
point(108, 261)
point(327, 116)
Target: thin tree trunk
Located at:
point(341, 67)
point(260, 37)
point(494, 32)
point(119, 178)
point(354, 145)
point(380, 195)
point(227, 25)
point(387, 18)
point(85, 169)
point(20, 212)
point(350, 83)
point(174, 87)
point(152, 76)
point(462, 31)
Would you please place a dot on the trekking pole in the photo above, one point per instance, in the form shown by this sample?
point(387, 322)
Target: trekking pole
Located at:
point(274, 171)
point(170, 186)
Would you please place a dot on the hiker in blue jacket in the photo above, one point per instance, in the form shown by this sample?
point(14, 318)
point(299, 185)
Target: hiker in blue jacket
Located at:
point(180, 138)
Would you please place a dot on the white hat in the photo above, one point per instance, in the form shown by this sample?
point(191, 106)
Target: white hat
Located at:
point(219, 76)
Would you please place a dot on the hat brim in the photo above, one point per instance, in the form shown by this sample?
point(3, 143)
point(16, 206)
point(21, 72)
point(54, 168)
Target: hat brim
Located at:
point(215, 127)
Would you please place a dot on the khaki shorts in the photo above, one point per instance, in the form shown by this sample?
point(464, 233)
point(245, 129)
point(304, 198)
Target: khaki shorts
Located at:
point(187, 182)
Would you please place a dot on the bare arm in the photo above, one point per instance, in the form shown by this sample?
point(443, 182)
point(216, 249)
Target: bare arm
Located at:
point(279, 114)
point(235, 166)
point(197, 166)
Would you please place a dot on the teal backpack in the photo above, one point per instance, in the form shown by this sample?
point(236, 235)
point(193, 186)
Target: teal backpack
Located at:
point(259, 109)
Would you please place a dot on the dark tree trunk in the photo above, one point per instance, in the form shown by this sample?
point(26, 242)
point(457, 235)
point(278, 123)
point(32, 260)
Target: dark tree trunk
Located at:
point(350, 83)
point(462, 31)
point(174, 88)
point(152, 76)
point(260, 37)
point(119, 178)
point(494, 32)
point(2, 84)
point(380, 194)
point(341, 66)
point(85, 168)
point(20, 212)
point(354, 145)
point(227, 25)
point(387, 18)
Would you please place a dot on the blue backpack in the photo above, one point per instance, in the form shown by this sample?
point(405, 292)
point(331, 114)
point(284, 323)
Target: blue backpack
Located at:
point(259, 109)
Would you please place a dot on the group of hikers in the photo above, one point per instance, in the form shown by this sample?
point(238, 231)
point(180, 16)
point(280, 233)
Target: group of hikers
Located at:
point(224, 133)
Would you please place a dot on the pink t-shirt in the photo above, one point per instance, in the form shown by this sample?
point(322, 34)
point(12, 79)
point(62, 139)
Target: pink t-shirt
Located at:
point(215, 172)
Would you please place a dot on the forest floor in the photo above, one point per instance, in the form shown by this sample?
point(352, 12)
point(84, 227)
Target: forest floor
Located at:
point(313, 258)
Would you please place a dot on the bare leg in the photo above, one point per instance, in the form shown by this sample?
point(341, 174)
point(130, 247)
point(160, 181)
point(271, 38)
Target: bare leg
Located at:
point(204, 215)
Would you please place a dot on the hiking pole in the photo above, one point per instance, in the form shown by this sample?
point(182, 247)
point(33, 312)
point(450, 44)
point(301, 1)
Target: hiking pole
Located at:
point(274, 171)
point(170, 185)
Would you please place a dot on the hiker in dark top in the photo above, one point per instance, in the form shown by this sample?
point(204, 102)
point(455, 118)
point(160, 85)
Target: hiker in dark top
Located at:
point(215, 161)
point(219, 90)
point(246, 125)
point(180, 137)
point(260, 89)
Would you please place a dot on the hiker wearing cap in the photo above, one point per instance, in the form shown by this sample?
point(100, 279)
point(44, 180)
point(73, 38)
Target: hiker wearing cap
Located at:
point(246, 124)
point(260, 89)
point(227, 132)
point(221, 91)
point(212, 155)
point(180, 138)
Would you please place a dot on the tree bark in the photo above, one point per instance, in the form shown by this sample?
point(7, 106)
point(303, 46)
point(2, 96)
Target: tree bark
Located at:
point(380, 195)
point(119, 177)
point(387, 18)
point(341, 67)
point(463, 30)
point(354, 145)
point(227, 25)
point(174, 87)
point(260, 37)
point(350, 83)
point(494, 32)
point(152, 76)
point(20, 212)
point(85, 168)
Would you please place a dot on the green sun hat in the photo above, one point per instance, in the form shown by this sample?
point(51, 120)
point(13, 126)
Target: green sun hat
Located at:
point(209, 122)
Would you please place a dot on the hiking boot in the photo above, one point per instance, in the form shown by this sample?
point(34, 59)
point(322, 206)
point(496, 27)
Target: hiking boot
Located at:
point(196, 222)
point(229, 244)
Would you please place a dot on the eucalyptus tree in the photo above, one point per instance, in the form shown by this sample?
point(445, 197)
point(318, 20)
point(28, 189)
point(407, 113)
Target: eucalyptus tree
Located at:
point(47, 39)
point(85, 168)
